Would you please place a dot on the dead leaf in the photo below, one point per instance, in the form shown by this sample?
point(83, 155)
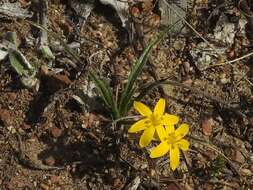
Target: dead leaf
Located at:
point(238, 156)
point(121, 8)
point(3, 54)
point(168, 17)
point(82, 8)
point(147, 6)
point(14, 10)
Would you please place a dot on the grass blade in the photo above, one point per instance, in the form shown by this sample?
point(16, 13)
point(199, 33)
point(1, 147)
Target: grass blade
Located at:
point(125, 99)
point(105, 93)
point(128, 92)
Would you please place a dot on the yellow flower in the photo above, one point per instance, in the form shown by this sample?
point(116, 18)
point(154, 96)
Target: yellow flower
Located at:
point(171, 141)
point(152, 121)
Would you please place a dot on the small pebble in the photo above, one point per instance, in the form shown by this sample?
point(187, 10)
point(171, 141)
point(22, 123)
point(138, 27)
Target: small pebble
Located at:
point(56, 132)
point(44, 186)
point(238, 157)
point(207, 126)
point(50, 161)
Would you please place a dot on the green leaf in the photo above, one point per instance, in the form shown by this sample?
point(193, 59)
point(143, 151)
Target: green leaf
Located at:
point(125, 99)
point(138, 66)
point(16, 63)
point(105, 93)
point(217, 165)
point(19, 63)
point(47, 53)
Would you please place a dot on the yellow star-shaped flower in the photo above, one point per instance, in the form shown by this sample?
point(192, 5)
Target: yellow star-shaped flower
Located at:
point(172, 141)
point(152, 121)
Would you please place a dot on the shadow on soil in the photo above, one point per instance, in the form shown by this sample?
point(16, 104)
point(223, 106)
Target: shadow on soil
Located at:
point(88, 158)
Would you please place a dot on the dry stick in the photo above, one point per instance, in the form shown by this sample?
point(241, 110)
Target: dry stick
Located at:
point(197, 91)
point(207, 42)
point(224, 104)
point(229, 62)
point(43, 20)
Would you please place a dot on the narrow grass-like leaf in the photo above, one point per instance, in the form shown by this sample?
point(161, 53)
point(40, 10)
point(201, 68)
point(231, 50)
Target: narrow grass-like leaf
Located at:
point(47, 53)
point(125, 99)
point(105, 93)
point(128, 92)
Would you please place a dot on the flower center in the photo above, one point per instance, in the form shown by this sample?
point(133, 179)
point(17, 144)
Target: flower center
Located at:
point(171, 138)
point(156, 120)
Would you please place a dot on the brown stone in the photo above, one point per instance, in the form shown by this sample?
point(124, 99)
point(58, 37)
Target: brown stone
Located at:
point(55, 179)
point(25, 126)
point(5, 117)
point(207, 126)
point(238, 157)
point(50, 161)
point(56, 132)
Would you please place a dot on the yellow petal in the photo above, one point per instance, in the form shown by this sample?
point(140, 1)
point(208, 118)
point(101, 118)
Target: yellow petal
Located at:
point(181, 131)
point(161, 132)
point(169, 119)
point(174, 157)
point(160, 150)
point(170, 129)
point(142, 108)
point(147, 136)
point(183, 144)
point(160, 107)
point(138, 126)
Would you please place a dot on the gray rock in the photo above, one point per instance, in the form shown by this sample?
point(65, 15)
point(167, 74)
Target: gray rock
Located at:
point(169, 13)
